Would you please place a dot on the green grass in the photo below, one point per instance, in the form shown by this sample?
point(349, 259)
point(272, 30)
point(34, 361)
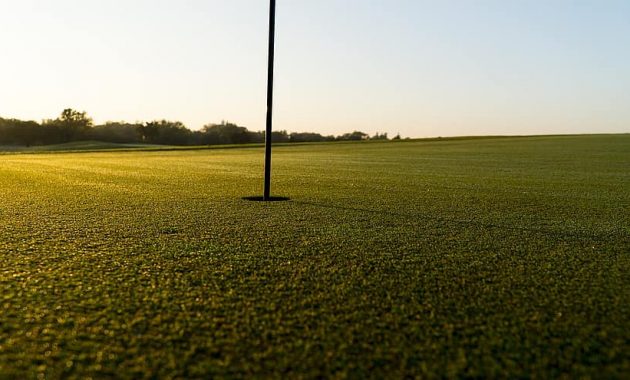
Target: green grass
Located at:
point(460, 258)
point(78, 146)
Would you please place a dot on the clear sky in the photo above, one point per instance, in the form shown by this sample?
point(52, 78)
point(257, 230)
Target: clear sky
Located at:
point(414, 67)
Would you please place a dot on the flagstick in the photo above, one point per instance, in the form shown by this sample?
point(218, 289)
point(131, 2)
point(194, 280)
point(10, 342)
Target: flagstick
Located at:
point(272, 29)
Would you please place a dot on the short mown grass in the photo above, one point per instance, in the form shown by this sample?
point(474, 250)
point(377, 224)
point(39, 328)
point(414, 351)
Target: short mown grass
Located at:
point(502, 257)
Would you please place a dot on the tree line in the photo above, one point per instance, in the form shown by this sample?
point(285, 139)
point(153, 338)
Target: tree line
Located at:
point(74, 125)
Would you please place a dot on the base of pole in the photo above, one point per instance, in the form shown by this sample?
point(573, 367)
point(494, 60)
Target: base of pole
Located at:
point(268, 199)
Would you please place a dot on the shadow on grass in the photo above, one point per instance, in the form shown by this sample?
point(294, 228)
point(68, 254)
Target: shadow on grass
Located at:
point(351, 208)
point(271, 199)
point(472, 222)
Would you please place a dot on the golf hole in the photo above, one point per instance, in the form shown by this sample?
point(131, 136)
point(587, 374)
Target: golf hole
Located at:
point(271, 199)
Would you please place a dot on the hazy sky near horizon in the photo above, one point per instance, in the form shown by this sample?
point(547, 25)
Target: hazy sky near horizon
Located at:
point(415, 67)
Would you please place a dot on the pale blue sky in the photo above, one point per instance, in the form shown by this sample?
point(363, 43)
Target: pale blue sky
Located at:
point(421, 68)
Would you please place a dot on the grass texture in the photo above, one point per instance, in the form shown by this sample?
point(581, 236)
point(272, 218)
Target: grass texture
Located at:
point(498, 257)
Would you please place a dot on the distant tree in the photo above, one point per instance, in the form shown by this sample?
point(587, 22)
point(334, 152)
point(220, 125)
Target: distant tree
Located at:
point(5, 129)
point(18, 132)
point(280, 136)
point(116, 132)
point(397, 137)
point(354, 136)
point(27, 133)
point(71, 125)
point(228, 133)
point(164, 132)
point(309, 137)
point(378, 136)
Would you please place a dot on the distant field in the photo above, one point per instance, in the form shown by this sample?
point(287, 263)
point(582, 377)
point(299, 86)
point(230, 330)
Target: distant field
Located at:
point(80, 146)
point(503, 257)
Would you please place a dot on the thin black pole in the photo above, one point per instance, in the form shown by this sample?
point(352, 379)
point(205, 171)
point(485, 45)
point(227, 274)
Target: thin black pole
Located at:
point(272, 32)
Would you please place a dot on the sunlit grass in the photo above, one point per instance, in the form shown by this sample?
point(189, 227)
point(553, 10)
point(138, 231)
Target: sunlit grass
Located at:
point(482, 258)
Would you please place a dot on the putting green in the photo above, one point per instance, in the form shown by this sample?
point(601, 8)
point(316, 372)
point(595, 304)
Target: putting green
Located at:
point(484, 257)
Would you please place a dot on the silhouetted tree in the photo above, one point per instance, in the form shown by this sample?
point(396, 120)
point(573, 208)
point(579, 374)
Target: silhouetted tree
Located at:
point(279, 136)
point(354, 136)
point(18, 132)
point(117, 132)
point(378, 136)
point(165, 132)
point(71, 125)
point(309, 137)
point(228, 133)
